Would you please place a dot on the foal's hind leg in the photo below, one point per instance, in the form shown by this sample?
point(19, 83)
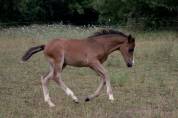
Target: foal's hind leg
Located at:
point(45, 81)
point(58, 66)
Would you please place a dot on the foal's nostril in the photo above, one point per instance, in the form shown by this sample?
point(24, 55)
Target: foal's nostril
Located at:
point(129, 65)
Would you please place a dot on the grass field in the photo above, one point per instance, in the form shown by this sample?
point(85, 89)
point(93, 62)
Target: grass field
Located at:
point(148, 90)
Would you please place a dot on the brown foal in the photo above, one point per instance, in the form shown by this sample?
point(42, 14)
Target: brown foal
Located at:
point(90, 52)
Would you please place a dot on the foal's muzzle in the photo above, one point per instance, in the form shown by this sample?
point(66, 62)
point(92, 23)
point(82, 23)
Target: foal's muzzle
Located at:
point(129, 65)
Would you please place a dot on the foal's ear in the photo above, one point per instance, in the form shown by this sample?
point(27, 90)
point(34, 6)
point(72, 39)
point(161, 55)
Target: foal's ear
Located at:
point(130, 38)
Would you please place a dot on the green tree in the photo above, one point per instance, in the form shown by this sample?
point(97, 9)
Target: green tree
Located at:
point(120, 11)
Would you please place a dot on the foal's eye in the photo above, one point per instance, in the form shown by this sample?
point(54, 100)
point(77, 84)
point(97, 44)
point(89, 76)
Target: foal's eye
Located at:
point(131, 50)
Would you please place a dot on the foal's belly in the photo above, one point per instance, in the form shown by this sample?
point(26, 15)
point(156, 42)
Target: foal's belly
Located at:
point(83, 59)
point(78, 58)
point(78, 61)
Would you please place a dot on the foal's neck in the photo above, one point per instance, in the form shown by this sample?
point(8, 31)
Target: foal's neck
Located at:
point(112, 44)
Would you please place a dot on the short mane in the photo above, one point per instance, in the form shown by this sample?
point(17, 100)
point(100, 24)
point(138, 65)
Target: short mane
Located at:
point(107, 32)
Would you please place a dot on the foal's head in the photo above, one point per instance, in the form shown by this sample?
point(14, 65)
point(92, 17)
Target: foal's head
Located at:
point(127, 50)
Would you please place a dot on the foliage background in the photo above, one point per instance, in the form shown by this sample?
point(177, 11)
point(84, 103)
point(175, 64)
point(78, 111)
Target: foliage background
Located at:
point(147, 13)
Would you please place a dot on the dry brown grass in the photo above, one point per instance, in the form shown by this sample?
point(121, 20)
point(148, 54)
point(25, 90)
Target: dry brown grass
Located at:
point(148, 90)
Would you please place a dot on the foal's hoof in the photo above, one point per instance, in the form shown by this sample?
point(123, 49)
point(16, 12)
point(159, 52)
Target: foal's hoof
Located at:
point(87, 99)
point(51, 105)
point(76, 101)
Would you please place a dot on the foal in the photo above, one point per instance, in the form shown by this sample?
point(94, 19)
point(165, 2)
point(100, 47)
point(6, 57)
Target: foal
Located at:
point(90, 52)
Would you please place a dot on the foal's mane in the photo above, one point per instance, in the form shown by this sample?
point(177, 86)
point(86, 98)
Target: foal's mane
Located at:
point(107, 32)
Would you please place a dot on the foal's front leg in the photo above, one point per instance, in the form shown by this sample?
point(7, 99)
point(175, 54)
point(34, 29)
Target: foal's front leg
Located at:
point(101, 71)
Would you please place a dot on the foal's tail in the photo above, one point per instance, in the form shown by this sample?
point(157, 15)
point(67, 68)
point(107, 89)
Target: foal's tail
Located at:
point(32, 51)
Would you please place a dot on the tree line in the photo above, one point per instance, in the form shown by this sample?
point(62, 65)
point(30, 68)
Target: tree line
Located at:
point(80, 12)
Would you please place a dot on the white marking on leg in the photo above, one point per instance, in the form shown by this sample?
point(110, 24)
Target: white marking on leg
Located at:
point(44, 82)
point(111, 97)
point(70, 93)
point(110, 94)
point(45, 91)
point(51, 104)
point(109, 90)
point(133, 61)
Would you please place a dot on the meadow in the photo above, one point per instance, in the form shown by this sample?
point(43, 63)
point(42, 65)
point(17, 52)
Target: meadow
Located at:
point(148, 90)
